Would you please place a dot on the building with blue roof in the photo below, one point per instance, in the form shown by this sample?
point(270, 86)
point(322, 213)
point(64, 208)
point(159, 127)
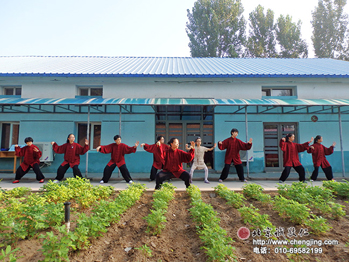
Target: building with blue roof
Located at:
point(143, 97)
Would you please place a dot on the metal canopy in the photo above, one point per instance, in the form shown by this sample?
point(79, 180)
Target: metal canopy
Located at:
point(173, 101)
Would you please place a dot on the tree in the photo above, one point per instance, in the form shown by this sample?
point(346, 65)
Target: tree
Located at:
point(330, 33)
point(216, 28)
point(261, 41)
point(288, 36)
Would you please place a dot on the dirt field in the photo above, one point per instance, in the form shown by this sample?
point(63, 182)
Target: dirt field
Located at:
point(179, 241)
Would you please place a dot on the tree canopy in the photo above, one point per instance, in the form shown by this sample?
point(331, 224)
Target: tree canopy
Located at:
point(288, 36)
point(261, 41)
point(330, 33)
point(216, 28)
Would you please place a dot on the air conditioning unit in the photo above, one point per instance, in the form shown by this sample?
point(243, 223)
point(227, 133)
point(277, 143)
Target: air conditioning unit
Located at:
point(46, 150)
point(243, 155)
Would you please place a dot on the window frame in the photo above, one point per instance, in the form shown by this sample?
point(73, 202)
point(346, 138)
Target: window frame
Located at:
point(92, 124)
point(11, 133)
point(89, 88)
point(269, 89)
point(14, 88)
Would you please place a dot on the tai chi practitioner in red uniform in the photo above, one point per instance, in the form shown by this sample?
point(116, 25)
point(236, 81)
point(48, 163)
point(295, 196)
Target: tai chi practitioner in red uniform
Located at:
point(291, 158)
point(158, 160)
point(117, 151)
point(173, 167)
point(319, 153)
point(31, 154)
point(233, 147)
point(72, 152)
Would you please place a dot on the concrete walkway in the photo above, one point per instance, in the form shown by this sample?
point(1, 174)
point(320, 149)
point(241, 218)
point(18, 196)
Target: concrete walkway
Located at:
point(269, 181)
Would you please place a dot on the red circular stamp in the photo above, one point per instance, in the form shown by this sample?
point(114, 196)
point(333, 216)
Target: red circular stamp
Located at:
point(243, 233)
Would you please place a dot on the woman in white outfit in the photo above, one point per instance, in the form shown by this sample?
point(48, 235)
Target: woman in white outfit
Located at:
point(198, 162)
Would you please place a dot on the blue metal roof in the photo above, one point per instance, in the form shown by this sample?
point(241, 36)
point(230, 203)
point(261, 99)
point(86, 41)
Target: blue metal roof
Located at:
point(173, 101)
point(171, 67)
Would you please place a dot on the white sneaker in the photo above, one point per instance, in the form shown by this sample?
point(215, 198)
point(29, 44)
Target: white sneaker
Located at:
point(220, 181)
point(311, 180)
point(101, 182)
point(280, 181)
point(130, 182)
point(56, 181)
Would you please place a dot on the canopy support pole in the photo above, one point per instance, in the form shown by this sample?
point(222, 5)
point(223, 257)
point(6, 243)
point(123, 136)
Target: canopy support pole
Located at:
point(87, 137)
point(341, 139)
point(247, 160)
point(119, 131)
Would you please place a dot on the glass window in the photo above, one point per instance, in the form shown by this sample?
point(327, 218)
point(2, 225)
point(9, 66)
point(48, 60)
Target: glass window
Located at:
point(9, 135)
point(84, 91)
point(5, 136)
point(281, 92)
point(161, 108)
point(191, 108)
point(15, 133)
point(161, 117)
point(173, 108)
point(18, 91)
point(9, 91)
point(277, 92)
point(95, 133)
point(96, 92)
point(90, 91)
point(191, 117)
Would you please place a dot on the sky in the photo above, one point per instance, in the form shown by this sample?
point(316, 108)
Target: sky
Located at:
point(115, 27)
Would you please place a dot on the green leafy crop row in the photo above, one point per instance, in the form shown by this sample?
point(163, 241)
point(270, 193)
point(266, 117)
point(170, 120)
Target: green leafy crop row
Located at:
point(318, 198)
point(24, 217)
point(249, 214)
point(300, 214)
point(338, 188)
point(216, 243)
point(296, 208)
point(156, 219)
point(56, 247)
point(256, 192)
point(78, 189)
point(233, 198)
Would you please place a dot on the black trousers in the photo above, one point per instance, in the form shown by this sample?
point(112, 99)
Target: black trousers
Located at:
point(162, 176)
point(20, 172)
point(63, 169)
point(153, 172)
point(299, 169)
point(239, 170)
point(108, 170)
point(327, 171)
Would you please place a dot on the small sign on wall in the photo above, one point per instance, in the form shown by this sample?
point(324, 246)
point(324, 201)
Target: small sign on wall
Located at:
point(314, 118)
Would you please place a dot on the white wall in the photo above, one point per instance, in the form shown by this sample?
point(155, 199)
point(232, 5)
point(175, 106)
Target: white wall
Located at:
point(239, 88)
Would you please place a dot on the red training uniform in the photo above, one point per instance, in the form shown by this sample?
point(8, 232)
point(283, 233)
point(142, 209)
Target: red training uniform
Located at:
point(30, 156)
point(117, 153)
point(175, 158)
point(158, 158)
point(319, 152)
point(233, 146)
point(290, 152)
point(71, 152)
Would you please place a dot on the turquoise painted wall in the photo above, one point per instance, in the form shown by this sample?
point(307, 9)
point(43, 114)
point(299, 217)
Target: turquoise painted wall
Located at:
point(56, 127)
point(326, 126)
point(141, 127)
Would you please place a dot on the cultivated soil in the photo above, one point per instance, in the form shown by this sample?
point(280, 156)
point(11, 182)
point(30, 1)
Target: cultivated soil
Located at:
point(180, 242)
